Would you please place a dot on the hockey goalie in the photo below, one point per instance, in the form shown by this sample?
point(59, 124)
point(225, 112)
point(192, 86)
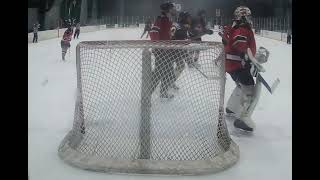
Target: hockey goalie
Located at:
point(239, 45)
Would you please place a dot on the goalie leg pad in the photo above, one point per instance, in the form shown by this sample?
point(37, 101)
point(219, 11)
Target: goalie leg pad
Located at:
point(249, 99)
point(244, 122)
point(233, 103)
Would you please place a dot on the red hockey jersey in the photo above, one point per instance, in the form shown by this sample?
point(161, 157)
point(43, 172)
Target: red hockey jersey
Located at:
point(67, 36)
point(239, 39)
point(161, 29)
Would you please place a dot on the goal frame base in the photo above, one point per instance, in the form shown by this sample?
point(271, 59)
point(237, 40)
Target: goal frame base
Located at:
point(147, 166)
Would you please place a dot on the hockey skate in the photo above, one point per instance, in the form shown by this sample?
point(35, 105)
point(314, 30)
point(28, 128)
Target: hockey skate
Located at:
point(174, 86)
point(166, 96)
point(246, 125)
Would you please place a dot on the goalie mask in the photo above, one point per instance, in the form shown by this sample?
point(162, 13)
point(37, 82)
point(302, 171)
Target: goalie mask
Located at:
point(242, 15)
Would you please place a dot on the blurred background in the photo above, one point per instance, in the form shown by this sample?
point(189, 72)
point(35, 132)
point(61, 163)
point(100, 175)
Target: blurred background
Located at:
point(273, 15)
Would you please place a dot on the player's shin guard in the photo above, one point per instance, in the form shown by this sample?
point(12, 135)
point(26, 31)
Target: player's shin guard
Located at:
point(249, 99)
point(63, 54)
point(233, 105)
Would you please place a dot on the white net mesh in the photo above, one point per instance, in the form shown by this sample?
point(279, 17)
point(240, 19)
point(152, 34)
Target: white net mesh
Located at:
point(126, 119)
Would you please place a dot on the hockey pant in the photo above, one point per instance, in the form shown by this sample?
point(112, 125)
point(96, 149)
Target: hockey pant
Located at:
point(76, 33)
point(163, 70)
point(180, 57)
point(35, 37)
point(64, 46)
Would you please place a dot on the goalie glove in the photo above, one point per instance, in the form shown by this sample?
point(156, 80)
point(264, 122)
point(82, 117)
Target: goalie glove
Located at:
point(254, 69)
point(254, 61)
point(262, 55)
point(208, 31)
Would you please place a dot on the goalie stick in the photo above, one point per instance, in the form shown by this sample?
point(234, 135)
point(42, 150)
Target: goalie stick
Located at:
point(261, 69)
point(202, 73)
point(264, 82)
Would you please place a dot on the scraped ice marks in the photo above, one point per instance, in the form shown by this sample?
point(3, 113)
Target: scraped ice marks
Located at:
point(45, 82)
point(259, 108)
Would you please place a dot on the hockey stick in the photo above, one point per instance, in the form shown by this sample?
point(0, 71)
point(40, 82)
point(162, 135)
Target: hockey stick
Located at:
point(203, 74)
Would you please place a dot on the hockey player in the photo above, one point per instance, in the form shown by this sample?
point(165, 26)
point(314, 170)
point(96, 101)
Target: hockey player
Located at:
point(181, 32)
point(36, 26)
point(163, 71)
point(289, 38)
point(77, 31)
point(237, 39)
point(147, 28)
point(65, 42)
point(198, 28)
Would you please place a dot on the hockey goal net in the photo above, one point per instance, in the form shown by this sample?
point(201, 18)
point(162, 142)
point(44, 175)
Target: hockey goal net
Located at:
point(121, 123)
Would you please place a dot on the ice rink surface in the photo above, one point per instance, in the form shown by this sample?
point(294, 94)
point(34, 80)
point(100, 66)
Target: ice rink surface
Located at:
point(265, 155)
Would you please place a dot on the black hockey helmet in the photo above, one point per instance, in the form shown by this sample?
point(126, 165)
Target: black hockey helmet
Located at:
point(201, 12)
point(166, 6)
point(183, 17)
